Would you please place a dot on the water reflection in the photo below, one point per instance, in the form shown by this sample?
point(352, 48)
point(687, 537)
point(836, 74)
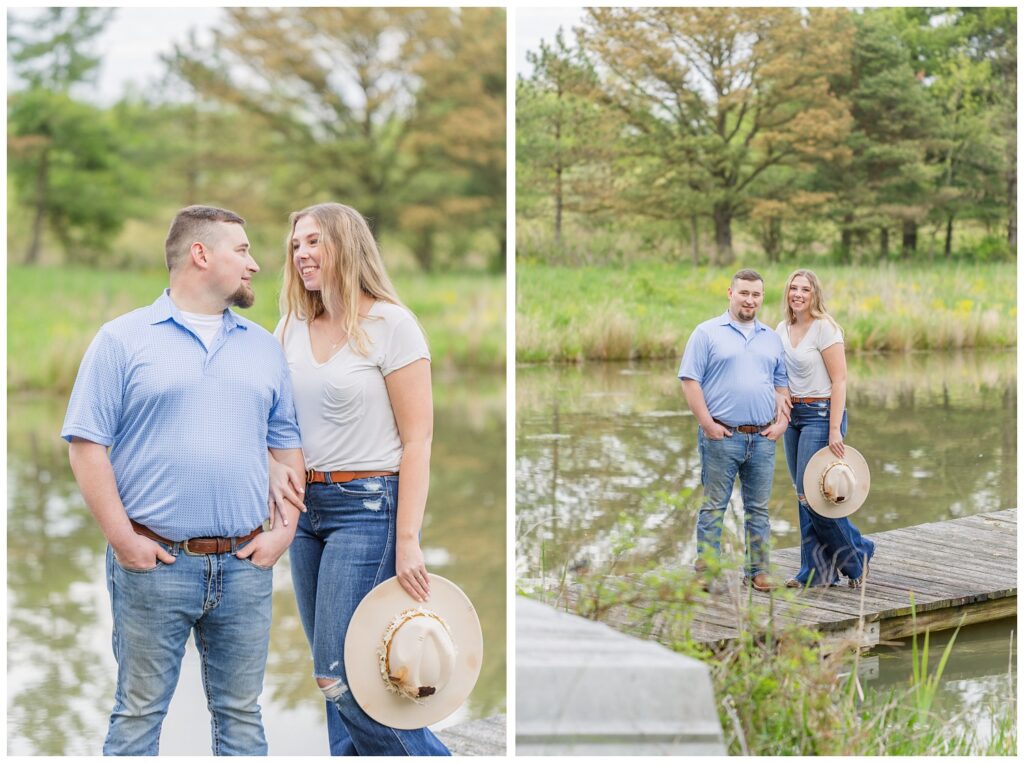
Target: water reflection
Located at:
point(607, 468)
point(60, 667)
point(598, 441)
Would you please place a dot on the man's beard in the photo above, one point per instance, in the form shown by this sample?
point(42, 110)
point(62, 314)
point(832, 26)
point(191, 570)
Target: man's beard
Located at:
point(244, 297)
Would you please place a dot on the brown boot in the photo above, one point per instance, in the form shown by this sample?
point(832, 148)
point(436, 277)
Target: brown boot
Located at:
point(761, 582)
point(700, 568)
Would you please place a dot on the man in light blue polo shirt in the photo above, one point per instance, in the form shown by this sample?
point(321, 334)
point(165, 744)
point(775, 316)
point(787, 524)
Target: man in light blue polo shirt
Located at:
point(189, 397)
point(734, 380)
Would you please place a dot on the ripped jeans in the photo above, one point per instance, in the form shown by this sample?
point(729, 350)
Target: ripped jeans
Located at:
point(343, 547)
point(827, 546)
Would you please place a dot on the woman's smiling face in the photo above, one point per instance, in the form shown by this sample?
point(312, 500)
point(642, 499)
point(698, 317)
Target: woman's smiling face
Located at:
point(306, 252)
point(801, 294)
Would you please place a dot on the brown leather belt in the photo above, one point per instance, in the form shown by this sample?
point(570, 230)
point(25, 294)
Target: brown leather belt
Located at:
point(810, 399)
point(198, 546)
point(744, 428)
point(312, 475)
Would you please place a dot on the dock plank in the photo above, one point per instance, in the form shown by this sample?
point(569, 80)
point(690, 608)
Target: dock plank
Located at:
point(964, 568)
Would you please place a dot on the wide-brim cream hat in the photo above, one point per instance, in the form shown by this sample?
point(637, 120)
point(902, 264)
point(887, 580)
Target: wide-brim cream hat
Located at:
point(410, 664)
point(836, 487)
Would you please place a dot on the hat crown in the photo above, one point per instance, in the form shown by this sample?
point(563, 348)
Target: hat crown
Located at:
point(421, 656)
point(838, 482)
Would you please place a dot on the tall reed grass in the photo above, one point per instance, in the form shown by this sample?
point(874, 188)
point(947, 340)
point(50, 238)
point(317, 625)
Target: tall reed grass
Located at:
point(648, 310)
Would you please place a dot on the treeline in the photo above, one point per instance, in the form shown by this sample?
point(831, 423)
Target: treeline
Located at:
point(875, 134)
point(399, 112)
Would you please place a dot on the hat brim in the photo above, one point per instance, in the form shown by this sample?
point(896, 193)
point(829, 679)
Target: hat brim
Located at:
point(819, 504)
point(365, 631)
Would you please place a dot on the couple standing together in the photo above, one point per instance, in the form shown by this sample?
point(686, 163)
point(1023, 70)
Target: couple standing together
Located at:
point(747, 386)
point(207, 482)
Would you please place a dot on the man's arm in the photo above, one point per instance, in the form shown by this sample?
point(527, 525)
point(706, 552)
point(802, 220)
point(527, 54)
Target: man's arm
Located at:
point(695, 399)
point(266, 548)
point(95, 476)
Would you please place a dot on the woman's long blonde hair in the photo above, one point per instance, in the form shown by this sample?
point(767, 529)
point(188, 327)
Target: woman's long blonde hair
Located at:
point(350, 265)
point(817, 309)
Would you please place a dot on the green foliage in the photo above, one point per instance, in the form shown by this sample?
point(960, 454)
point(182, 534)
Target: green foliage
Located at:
point(873, 134)
point(52, 50)
point(399, 112)
point(463, 315)
point(68, 172)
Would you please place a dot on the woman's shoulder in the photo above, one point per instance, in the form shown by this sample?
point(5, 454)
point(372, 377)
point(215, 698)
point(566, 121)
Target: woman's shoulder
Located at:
point(828, 330)
point(390, 312)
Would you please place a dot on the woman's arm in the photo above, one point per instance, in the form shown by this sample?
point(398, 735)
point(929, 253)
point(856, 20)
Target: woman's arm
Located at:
point(413, 406)
point(835, 363)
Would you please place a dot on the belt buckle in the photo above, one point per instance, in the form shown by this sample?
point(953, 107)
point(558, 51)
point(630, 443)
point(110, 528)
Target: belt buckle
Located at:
point(188, 552)
point(309, 475)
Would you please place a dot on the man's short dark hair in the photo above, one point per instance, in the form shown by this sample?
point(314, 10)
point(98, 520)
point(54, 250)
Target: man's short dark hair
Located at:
point(747, 275)
point(193, 224)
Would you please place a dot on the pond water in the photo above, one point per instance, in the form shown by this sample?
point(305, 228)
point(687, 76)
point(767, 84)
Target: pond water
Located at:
point(60, 669)
point(607, 468)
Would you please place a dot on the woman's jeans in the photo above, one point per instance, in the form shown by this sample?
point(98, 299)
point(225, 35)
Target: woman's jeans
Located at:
point(827, 546)
point(751, 457)
point(343, 547)
point(226, 602)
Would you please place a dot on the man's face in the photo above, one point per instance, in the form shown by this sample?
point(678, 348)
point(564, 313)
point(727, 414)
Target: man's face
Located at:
point(745, 298)
point(231, 265)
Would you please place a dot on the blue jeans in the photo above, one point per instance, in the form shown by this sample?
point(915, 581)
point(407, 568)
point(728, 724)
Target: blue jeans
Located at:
point(827, 546)
point(750, 457)
point(344, 546)
point(226, 602)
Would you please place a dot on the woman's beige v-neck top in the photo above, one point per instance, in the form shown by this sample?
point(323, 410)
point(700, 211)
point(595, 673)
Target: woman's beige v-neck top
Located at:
point(805, 367)
point(342, 405)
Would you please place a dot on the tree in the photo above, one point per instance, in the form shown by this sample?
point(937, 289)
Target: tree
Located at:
point(558, 126)
point(53, 51)
point(886, 177)
point(63, 154)
point(457, 132)
point(344, 92)
point(726, 92)
point(64, 159)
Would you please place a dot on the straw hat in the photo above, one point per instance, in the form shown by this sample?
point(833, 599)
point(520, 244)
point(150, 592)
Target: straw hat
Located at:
point(410, 664)
point(836, 487)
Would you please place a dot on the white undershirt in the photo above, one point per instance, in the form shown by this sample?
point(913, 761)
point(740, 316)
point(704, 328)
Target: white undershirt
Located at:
point(206, 326)
point(746, 328)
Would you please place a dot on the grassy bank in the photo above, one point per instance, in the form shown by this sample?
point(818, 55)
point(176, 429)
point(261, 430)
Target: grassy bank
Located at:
point(647, 310)
point(53, 314)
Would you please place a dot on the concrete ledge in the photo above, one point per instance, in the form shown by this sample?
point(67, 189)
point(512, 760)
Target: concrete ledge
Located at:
point(585, 689)
point(481, 737)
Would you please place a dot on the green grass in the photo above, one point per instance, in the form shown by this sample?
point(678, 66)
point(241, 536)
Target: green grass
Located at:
point(53, 313)
point(647, 310)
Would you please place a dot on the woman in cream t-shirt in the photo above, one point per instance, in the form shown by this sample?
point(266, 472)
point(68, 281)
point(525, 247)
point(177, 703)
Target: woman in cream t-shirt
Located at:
point(816, 366)
point(360, 371)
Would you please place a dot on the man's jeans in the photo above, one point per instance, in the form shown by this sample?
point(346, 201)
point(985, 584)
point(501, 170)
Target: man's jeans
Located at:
point(226, 602)
point(750, 457)
point(827, 546)
point(344, 546)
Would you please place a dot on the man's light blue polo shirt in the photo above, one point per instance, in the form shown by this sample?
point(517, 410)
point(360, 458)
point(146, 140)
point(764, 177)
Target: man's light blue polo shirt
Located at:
point(737, 375)
point(188, 429)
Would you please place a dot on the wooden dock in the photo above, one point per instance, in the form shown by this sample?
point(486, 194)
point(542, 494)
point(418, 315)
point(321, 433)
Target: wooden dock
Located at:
point(959, 569)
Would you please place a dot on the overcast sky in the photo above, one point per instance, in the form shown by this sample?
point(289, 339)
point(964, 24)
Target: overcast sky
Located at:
point(131, 46)
point(536, 24)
